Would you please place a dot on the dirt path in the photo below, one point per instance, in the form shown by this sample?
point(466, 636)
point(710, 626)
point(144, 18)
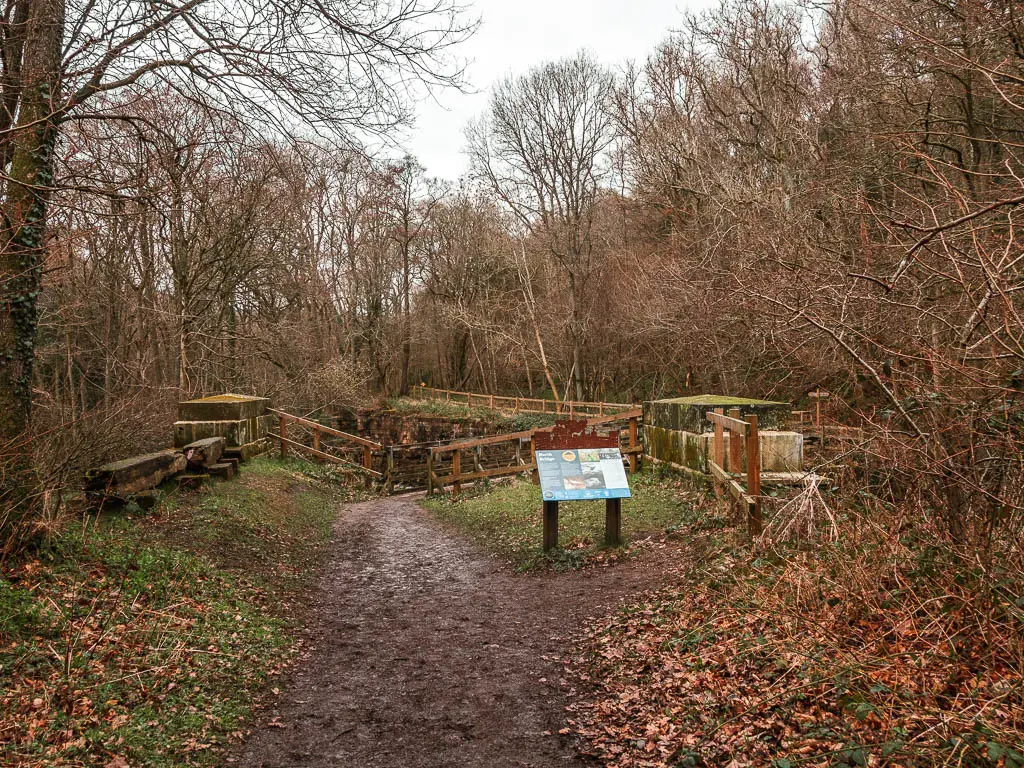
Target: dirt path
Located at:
point(427, 652)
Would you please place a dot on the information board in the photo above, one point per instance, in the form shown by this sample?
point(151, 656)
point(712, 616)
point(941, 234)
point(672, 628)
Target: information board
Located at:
point(573, 474)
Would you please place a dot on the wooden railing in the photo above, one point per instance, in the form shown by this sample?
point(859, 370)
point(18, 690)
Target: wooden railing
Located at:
point(319, 433)
point(523, 456)
point(521, 404)
point(742, 434)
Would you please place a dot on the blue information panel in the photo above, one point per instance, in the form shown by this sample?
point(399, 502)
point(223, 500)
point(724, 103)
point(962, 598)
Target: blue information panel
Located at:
point(573, 474)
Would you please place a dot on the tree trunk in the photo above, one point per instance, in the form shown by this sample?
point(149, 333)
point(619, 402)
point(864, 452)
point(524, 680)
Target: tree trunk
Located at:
point(575, 340)
point(25, 208)
point(403, 382)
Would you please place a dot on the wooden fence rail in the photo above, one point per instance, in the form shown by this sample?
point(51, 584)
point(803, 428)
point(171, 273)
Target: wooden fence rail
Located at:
point(319, 432)
point(742, 433)
point(521, 404)
point(523, 453)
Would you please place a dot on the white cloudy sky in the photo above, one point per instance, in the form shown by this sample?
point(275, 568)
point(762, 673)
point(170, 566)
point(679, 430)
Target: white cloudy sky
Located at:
point(518, 34)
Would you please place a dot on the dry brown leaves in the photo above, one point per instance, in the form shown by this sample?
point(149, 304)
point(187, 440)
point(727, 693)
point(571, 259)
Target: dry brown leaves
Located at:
point(753, 663)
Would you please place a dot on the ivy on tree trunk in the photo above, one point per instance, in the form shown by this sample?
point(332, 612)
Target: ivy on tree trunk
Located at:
point(24, 212)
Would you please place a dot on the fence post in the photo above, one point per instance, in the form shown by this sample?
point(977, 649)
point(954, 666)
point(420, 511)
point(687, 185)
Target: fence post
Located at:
point(430, 471)
point(634, 460)
point(367, 457)
point(456, 471)
point(491, 404)
point(718, 452)
point(517, 405)
point(389, 480)
point(735, 446)
point(534, 474)
point(316, 443)
point(753, 475)
point(284, 435)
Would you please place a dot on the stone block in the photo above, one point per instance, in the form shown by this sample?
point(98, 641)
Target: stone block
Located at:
point(135, 474)
point(780, 451)
point(236, 433)
point(689, 414)
point(227, 407)
point(247, 451)
point(224, 470)
point(205, 452)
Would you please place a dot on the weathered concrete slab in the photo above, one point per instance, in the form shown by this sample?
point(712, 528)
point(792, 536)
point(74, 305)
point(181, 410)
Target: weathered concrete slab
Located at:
point(223, 471)
point(247, 451)
point(689, 414)
point(226, 407)
point(203, 453)
point(236, 432)
point(135, 474)
point(781, 451)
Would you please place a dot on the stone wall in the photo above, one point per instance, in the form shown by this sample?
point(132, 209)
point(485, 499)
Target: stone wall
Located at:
point(391, 428)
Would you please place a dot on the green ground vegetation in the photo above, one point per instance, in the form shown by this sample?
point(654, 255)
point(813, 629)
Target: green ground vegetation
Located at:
point(142, 638)
point(506, 518)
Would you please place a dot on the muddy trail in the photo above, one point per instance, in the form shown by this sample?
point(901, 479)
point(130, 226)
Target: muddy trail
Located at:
point(426, 651)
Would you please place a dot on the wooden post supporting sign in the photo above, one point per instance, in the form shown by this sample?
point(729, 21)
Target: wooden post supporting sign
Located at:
point(550, 525)
point(612, 522)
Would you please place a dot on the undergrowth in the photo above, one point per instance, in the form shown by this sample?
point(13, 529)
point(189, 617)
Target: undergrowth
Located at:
point(884, 647)
point(144, 640)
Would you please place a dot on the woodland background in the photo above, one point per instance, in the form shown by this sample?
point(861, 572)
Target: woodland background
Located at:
point(782, 196)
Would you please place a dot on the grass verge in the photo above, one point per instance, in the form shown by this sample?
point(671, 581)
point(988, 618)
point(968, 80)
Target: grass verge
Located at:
point(506, 519)
point(142, 640)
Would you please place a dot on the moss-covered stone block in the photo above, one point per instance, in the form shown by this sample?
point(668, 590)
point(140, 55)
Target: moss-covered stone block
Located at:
point(135, 474)
point(226, 407)
point(689, 414)
point(236, 432)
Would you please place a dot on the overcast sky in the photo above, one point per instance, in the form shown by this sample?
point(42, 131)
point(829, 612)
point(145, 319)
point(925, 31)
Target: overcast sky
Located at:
point(518, 34)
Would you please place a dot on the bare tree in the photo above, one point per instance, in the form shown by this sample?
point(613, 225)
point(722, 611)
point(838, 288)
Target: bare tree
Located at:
point(540, 147)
